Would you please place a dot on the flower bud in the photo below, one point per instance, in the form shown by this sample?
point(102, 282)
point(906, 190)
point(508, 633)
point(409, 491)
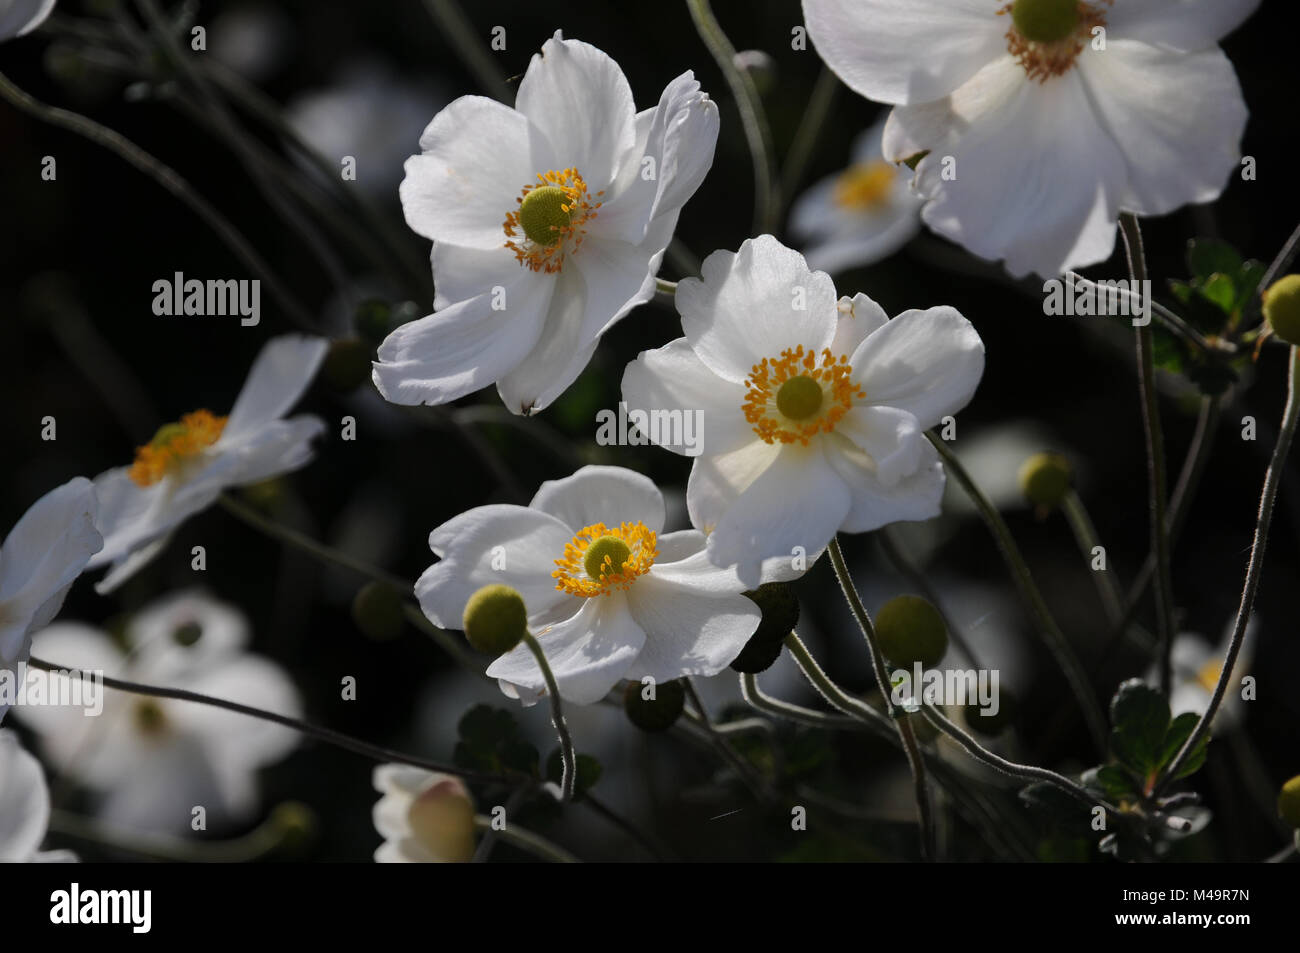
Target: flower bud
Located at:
point(1282, 308)
point(1288, 803)
point(910, 630)
point(780, 609)
point(760, 67)
point(496, 619)
point(441, 819)
point(377, 611)
point(1045, 478)
point(658, 712)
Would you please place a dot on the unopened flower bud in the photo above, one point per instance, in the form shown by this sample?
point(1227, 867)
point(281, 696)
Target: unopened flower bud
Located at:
point(496, 619)
point(1045, 479)
point(910, 630)
point(1282, 308)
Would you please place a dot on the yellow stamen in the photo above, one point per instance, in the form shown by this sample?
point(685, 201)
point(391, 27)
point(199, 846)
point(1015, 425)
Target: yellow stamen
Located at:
point(1208, 676)
point(779, 400)
point(866, 186)
point(1045, 60)
point(174, 445)
point(548, 224)
point(601, 559)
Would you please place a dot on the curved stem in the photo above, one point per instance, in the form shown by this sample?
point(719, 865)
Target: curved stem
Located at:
point(526, 840)
point(834, 695)
point(920, 788)
point(757, 699)
point(1085, 534)
point(473, 53)
point(805, 138)
point(757, 133)
point(1051, 633)
point(1155, 441)
point(569, 776)
point(1268, 497)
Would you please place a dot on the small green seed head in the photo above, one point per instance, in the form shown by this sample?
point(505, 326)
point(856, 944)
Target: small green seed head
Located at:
point(378, 612)
point(910, 630)
point(799, 397)
point(610, 547)
point(1288, 803)
point(1045, 21)
point(1045, 478)
point(542, 214)
point(187, 634)
point(1282, 308)
point(496, 619)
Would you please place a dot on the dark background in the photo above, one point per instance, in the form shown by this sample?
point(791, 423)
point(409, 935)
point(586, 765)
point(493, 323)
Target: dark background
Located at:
point(79, 341)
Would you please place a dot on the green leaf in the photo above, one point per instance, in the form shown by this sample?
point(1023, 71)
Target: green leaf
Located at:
point(1209, 256)
point(1248, 281)
point(1113, 781)
point(1139, 718)
point(588, 772)
point(1180, 729)
point(1221, 290)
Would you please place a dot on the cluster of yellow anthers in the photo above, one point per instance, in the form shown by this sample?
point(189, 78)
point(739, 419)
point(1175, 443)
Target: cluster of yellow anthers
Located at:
point(1054, 55)
point(600, 559)
point(865, 186)
point(174, 444)
point(793, 398)
point(548, 223)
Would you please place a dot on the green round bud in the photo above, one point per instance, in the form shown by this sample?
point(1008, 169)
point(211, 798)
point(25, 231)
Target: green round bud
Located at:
point(780, 607)
point(347, 364)
point(1045, 479)
point(1045, 21)
point(1282, 308)
point(544, 212)
point(990, 725)
point(496, 619)
point(760, 67)
point(297, 824)
point(910, 630)
point(606, 556)
point(378, 612)
point(658, 712)
point(187, 634)
point(799, 397)
point(1288, 803)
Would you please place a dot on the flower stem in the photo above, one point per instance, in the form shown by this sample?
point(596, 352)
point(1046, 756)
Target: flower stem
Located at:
point(1051, 633)
point(1155, 442)
point(905, 733)
point(473, 53)
point(759, 785)
point(1085, 534)
point(1254, 569)
point(810, 126)
point(767, 197)
point(570, 762)
point(834, 695)
point(526, 840)
point(759, 700)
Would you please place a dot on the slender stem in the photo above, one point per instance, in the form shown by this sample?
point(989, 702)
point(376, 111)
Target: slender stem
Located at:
point(759, 785)
point(170, 180)
point(666, 292)
point(1168, 318)
point(1282, 262)
point(757, 699)
point(834, 695)
point(758, 135)
point(569, 776)
point(526, 840)
point(254, 845)
point(1254, 569)
point(1085, 534)
point(805, 137)
point(327, 735)
point(473, 52)
point(490, 835)
point(905, 733)
point(310, 546)
point(1157, 485)
point(446, 641)
point(1051, 633)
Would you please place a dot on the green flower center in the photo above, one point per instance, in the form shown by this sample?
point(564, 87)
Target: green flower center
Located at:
point(543, 214)
point(1045, 21)
point(149, 718)
point(799, 397)
point(606, 556)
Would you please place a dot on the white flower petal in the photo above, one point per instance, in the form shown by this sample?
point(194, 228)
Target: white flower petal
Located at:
point(562, 348)
point(859, 316)
point(1186, 25)
point(281, 446)
point(891, 437)
point(905, 51)
point(715, 482)
point(587, 653)
point(513, 545)
point(279, 376)
point(595, 494)
point(24, 802)
point(461, 273)
point(580, 99)
point(235, 740)
point(464, 347)
point(19, 17)
point(478, 155)
point(1180, 128)
point(873, 505)
point(673, 378)
point(754, 304)
point(689, 630)
point(927, 363)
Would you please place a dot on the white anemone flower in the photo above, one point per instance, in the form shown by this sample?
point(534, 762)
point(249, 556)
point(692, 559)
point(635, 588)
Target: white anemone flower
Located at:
point(610, 596)
point(152, 761)
point(549, 222)
point(20, 17)
point(1042, 119)
point(1197, 665)
point(188, 464)
point(24, 806)
point(859, 216)
point(41, 557)
point(424, 817)
point(814, 408)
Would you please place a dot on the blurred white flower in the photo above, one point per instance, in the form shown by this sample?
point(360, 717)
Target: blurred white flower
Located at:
point(24, 806)
point(424, 817)
point(154, 760)
point(369, 114)
point(1043, 118)
point(41, 557)
point(549, 222)
point(1197, 665)
point(610, 596)
point(814, 408)
point(18, 17)
point(859, 216)
point(188, 464)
